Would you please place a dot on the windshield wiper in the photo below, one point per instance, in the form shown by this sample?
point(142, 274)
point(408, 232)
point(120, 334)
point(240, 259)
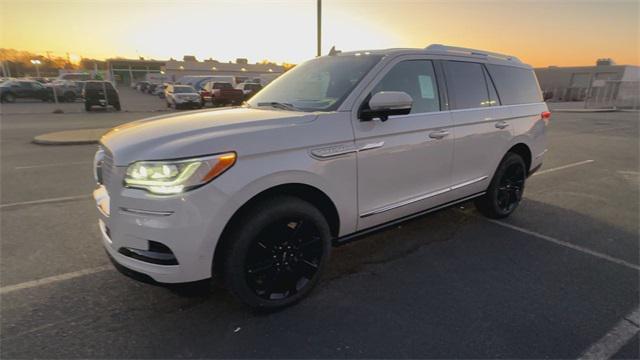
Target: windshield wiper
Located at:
point(278, 105)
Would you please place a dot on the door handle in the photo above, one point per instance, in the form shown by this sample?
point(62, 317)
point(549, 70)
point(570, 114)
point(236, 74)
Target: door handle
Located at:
point(502, 124)
point(438, 134)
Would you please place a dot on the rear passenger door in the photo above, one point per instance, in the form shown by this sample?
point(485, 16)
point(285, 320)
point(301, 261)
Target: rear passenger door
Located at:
point(404, 163)
point(481, 126)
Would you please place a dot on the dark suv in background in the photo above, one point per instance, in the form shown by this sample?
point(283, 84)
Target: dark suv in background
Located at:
point(24, 89)
point(93, 94)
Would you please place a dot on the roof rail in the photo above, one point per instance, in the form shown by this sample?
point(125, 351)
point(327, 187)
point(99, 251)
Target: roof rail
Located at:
point(472, 52)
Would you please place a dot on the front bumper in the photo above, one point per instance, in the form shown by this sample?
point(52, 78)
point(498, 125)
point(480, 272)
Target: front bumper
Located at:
point(134, 224)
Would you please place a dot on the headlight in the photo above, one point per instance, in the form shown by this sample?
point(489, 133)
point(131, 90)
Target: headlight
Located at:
point(176, 176)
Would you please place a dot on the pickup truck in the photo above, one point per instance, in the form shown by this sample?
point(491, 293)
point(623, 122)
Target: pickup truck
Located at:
point(221, 94)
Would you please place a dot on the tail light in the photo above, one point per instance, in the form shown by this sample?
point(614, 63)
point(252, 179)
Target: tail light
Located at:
point(546, 116)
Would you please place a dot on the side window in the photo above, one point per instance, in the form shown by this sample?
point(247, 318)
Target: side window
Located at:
point(494, 100)
point(416, 78)
point(515, 85)
point(466, 84)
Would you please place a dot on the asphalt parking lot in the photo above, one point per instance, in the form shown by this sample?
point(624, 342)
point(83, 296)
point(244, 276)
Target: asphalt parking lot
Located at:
point(552, 281)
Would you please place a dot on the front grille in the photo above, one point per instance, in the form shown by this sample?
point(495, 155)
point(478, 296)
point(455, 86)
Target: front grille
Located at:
point(107, 167)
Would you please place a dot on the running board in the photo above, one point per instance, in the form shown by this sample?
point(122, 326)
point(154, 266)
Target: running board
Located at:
point(358, 234)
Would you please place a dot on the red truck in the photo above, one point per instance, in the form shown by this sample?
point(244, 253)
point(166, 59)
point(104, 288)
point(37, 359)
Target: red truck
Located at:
point(221, 94)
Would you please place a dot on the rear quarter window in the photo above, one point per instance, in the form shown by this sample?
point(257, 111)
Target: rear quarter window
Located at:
point(467, 85)
point(515, 85)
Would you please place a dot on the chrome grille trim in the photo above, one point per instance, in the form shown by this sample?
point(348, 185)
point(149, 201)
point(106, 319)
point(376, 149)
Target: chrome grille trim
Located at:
point(107, 167)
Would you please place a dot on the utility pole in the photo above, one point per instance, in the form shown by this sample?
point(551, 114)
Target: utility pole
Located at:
point(319, 51)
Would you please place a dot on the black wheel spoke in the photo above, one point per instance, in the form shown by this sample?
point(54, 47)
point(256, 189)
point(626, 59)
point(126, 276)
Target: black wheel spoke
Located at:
point(509, 191)
point(283, 258)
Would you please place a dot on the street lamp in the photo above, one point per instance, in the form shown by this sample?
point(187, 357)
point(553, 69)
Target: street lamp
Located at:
point(37, 65)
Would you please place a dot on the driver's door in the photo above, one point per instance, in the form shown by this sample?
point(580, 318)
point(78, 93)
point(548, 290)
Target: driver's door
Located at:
point(404, 163)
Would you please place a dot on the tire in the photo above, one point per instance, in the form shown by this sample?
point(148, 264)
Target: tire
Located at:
point(69, 97)
point(9, 97)
point(506, 189)
point(168, 104)
point(117, 106)
point(276, 253)
point(87, 107)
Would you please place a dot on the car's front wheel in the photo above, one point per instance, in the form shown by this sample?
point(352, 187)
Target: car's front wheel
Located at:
point(9, 97)
point(506, 189)
point(276, 252)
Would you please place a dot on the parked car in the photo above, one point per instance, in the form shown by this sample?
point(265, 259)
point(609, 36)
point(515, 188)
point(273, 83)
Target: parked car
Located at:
point(198, 81)
point(74, 76)
point(41, 80)
point(221, 94)
point(66, 90)
point(142, 85)
point(160, 90)
point(340, 146)
point(249, 89)
point(182, 96)
point(93, 94)
point(151, 88)
point(11, 90)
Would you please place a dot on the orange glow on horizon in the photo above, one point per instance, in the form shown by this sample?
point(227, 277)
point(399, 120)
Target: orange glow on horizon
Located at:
point(541, 33)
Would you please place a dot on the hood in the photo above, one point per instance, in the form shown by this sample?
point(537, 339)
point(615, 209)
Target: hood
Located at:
point(194, 133)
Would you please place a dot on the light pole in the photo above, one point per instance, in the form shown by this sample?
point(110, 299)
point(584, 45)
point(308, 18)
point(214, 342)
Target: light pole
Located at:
point(319, 46)
point(37, 65)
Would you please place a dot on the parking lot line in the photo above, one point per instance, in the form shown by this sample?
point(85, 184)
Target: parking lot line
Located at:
point(615, 339)
point(50, 165)
point(563, 167)
point(566, 244)
point(53, 279)
point(44, 201)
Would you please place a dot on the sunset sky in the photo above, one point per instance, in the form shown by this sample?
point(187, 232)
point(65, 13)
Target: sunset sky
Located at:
point(560, 32)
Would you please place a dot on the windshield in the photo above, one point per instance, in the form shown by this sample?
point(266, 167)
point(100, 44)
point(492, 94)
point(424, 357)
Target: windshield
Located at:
point(183, 89)
point(320, 84)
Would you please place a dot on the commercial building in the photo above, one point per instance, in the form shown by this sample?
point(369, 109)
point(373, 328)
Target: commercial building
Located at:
point(240, 69)
point(126, 71)
point(604, 85)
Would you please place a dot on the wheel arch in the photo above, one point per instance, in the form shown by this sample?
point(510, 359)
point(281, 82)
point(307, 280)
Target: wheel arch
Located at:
point(309, 193)
point(524, 151)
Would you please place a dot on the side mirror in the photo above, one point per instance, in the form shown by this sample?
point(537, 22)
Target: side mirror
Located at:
point(387, 103)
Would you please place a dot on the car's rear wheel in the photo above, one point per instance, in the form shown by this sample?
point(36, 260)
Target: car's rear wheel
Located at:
point(87, 107)
point(276, 252)
point(506, 189)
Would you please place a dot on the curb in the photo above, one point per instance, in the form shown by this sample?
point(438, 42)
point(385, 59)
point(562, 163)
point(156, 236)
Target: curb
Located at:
point(71, 137)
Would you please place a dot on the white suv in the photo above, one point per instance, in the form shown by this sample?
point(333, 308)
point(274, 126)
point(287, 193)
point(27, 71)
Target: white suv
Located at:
point(337, 147)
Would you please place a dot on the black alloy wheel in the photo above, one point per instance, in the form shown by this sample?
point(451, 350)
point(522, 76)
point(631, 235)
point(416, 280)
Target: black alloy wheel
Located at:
point(275, 252)
point(283, 258)
point(510, 187)
point(506, 189)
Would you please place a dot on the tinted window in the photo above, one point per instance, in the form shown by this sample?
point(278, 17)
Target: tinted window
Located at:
point(515, 85)
point(466, 85)
point(97, 85)
point(416, 78)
